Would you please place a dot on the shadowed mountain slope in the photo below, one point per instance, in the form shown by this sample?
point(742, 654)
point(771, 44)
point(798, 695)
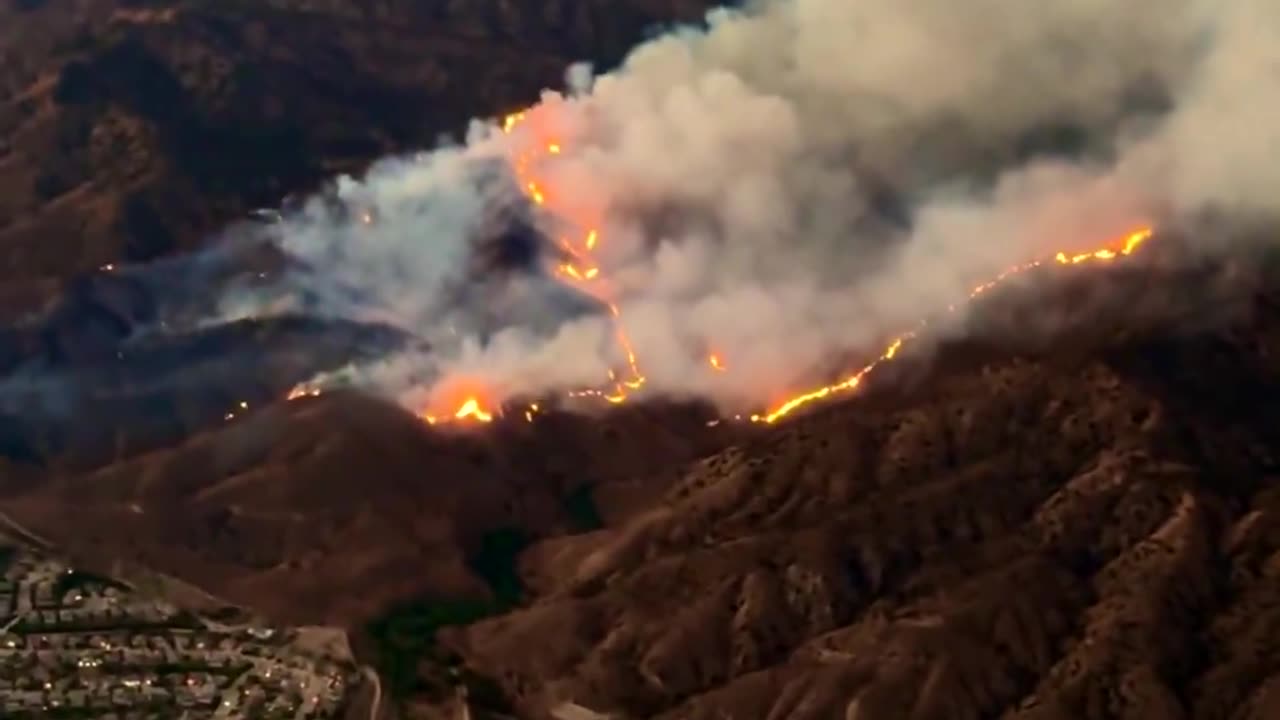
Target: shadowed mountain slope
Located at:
point(1083, 533)
point(131, 129)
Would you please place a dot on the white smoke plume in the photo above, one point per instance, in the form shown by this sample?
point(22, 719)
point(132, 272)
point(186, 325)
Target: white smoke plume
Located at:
point(799, 178)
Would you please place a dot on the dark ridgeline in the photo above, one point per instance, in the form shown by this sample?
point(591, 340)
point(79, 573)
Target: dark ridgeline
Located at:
point(163, 126)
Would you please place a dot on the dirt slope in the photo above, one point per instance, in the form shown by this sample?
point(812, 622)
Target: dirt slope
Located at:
point(331, 509)
point(1028, 536)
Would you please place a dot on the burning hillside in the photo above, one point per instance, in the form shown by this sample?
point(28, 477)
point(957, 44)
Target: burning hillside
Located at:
point(747, 227)
point(578, 239)
point(577, 266)
point(753, 230)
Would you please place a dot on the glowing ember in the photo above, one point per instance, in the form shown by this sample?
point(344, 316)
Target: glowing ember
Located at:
point(509, 122)
point(471, 409)
point(715, 362)
point(303, 390)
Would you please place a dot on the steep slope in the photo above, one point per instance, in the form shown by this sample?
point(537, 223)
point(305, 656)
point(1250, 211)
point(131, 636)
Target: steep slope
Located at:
point(131, 129)
point(1084, 533)
point(328, 510)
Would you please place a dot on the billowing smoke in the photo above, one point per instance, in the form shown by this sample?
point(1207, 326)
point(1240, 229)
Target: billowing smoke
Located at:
point(790, 184)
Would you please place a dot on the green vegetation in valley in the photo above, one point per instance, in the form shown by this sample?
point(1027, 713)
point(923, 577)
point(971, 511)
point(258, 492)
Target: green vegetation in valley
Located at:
point(580, 506)
point(408, 657)
point(495, 561)
point(406, 637)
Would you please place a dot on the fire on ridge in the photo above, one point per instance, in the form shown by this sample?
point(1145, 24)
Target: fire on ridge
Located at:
point(578, 268)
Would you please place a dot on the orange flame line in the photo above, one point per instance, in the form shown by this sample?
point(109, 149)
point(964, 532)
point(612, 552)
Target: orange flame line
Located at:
point(582, 270)
point(1128, 246)
point(471, 409)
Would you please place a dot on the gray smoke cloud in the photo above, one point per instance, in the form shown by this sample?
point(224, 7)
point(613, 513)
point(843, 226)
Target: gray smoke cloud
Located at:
point(796, 181)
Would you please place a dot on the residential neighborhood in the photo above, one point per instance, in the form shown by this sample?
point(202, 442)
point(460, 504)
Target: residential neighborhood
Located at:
point(77, 645)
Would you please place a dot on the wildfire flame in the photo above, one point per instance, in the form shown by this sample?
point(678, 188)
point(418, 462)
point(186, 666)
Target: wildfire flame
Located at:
point(303, 390)
point(578, 268)
point(1126, 246)
point(471, 408)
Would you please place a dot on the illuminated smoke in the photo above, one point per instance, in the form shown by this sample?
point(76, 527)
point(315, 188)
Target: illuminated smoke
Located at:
point(790, 187)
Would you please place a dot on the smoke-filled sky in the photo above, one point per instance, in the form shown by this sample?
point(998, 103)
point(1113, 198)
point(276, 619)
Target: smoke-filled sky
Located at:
point(797, 180)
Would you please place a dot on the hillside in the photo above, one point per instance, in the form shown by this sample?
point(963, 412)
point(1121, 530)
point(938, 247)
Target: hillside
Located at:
point(1051, 533)
point(315, 510)
point(132, 129)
